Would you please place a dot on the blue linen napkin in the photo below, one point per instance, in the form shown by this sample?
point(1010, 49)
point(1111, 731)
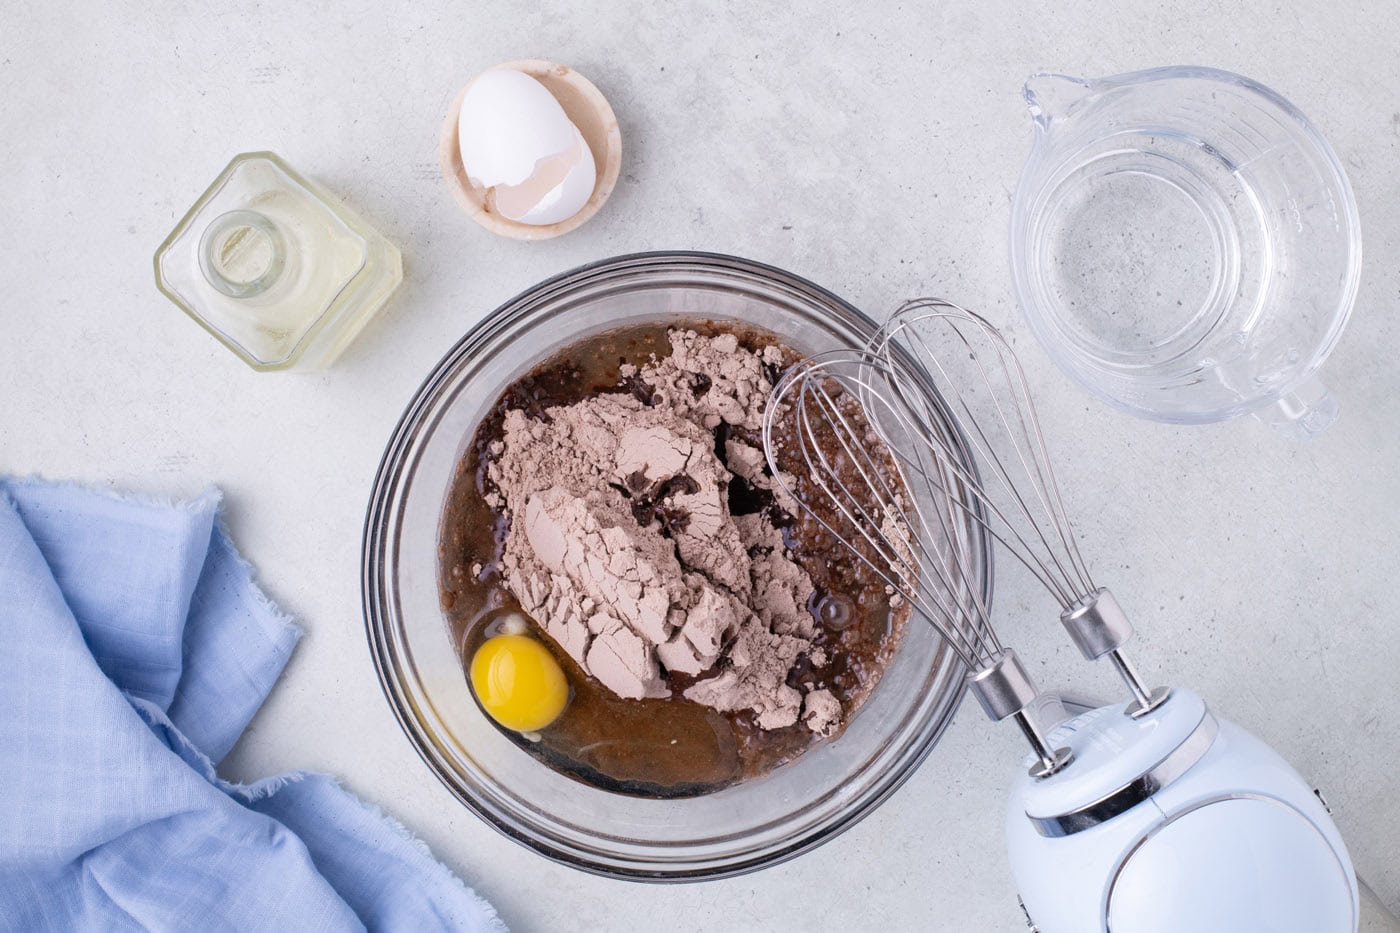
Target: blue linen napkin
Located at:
point(134, 649)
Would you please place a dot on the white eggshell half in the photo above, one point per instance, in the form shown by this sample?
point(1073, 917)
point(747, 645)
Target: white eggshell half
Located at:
point(509, 122)
point(569, 196)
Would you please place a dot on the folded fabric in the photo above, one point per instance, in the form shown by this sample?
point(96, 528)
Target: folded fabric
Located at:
point(134, 650)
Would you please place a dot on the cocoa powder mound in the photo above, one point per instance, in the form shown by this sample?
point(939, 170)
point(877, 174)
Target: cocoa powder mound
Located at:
point(621, 544)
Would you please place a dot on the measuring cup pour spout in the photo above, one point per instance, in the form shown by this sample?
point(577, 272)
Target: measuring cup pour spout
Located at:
point(1049, 96)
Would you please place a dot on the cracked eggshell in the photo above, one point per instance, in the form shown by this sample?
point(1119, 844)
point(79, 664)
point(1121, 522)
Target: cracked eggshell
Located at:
point(516, 141)
point(558, 188)
point(586, 108)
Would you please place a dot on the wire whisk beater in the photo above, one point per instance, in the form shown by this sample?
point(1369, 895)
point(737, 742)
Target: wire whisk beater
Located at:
point(886, 480)
point(975, 381)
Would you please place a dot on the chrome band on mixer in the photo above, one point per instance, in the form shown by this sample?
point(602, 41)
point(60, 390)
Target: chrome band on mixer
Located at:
point(1136, 791)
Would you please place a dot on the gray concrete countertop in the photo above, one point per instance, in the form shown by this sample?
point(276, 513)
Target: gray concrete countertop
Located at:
point(872, 148)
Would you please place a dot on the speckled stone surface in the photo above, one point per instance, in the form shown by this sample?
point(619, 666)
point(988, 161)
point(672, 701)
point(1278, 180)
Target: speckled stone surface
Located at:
point(871, 147)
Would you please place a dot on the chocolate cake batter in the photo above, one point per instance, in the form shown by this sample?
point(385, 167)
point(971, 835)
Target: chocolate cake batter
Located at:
point(619, 497)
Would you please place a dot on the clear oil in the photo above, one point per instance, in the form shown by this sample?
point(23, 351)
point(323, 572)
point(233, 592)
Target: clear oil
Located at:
point(275, 268)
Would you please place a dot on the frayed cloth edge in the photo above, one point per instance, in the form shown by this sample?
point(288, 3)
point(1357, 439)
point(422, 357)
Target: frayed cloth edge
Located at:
point(488, 910)
point(210, 498)
point(264, 788)
point(267, 604)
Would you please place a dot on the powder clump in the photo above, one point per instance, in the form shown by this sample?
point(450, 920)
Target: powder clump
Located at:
point(622, 545)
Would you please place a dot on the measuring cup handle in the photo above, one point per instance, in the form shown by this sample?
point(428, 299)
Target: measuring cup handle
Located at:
point(1302, 414)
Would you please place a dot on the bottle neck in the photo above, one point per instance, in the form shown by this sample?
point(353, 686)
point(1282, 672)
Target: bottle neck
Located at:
point(242, 254)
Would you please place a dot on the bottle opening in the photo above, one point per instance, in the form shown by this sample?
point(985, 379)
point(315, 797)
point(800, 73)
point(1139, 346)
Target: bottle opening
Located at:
point(242, 254)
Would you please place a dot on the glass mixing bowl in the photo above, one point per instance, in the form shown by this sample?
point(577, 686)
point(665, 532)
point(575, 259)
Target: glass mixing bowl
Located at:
point(1185, 244)
point(742, 828)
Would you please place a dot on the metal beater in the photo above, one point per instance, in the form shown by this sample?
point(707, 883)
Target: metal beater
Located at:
point(1152, 816)
point(893, 506)
point(980, 387)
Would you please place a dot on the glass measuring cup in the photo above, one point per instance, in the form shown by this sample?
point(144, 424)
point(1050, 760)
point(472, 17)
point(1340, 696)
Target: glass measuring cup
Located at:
point(1185, 244)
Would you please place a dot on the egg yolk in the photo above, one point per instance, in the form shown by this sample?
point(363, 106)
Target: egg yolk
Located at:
point(518, 682)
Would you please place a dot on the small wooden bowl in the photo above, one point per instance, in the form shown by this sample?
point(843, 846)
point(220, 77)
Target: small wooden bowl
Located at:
point(585, 105)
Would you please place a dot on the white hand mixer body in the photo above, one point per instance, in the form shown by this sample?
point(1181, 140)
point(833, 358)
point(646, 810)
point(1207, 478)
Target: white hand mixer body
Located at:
point(1151, 817)
point(1175, 822)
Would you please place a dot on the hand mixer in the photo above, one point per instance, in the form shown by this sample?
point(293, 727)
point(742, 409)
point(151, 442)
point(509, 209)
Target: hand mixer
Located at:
point(1152, 816)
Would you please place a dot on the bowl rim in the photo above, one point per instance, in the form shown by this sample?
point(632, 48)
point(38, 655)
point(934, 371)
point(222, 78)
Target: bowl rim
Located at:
point(375, 612)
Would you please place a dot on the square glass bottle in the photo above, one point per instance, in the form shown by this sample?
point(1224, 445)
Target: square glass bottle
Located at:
point(275, 267)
